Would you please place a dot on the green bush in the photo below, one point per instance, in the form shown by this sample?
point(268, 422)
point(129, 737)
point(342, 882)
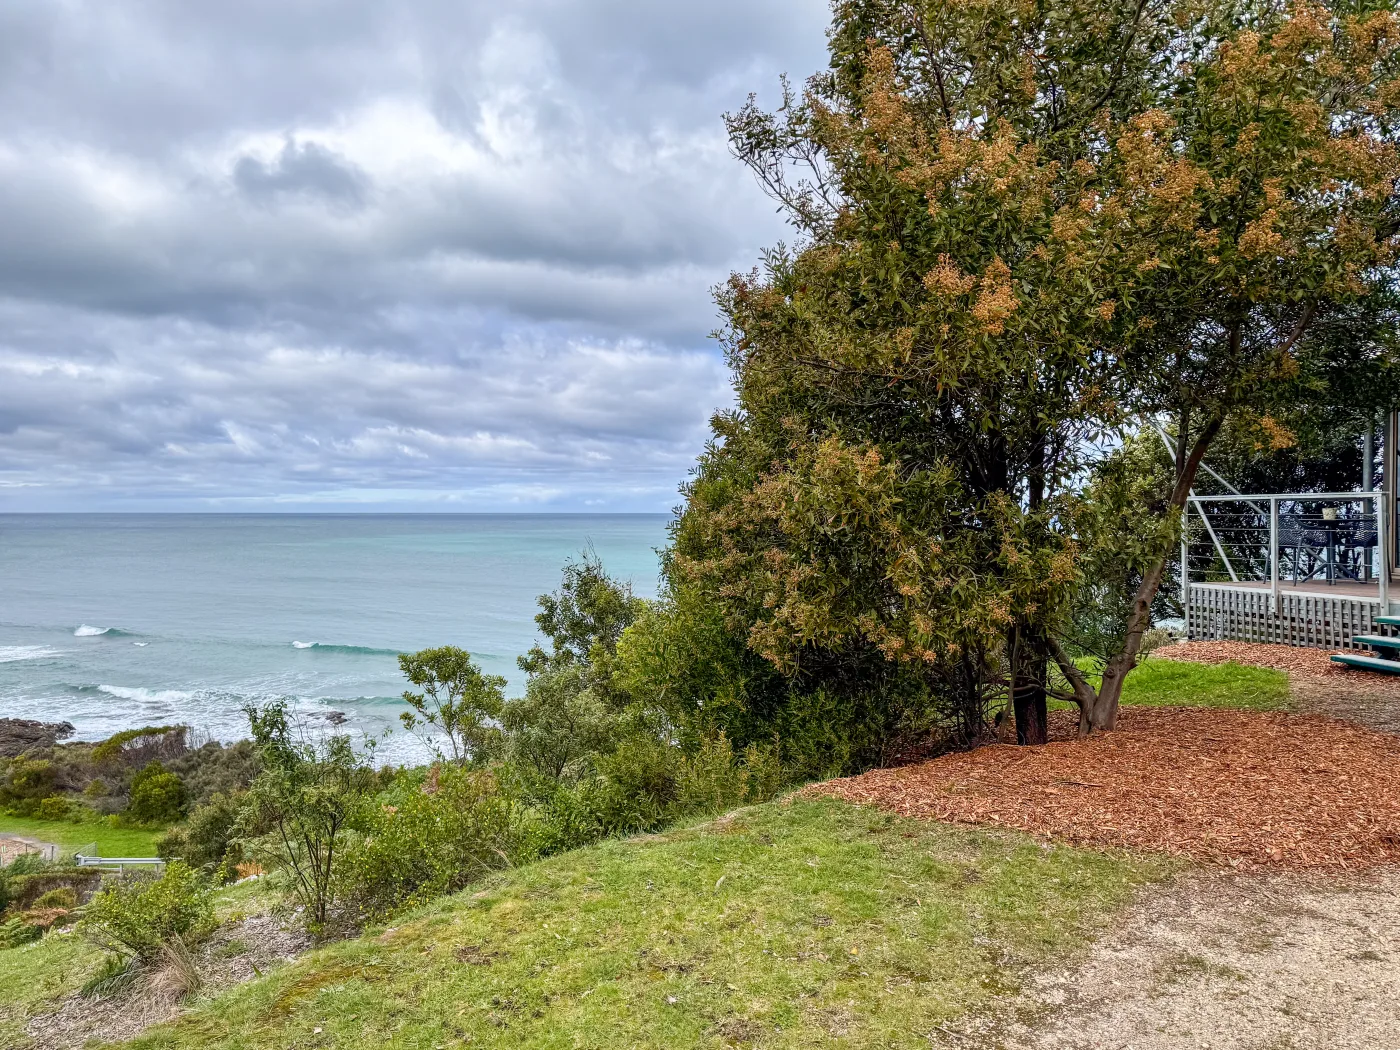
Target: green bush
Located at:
point(714, 779)
point(135, 917)
point(17, 931)
point(426, 839)
point(62, 897)
point(140, 741)
point(304, 807)
point(157, 796)
point(207, 840)
point(26, 782)
point(55, 807)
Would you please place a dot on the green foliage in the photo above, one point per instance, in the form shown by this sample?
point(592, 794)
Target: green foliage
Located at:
point(584, 619)
point(26, 783)
point(136, 917)
point(713, 779)
point(426, 838)
point(299, 813)
point(18, 931)
point(157, 796)
point(137, 741)
point(55, 807)
point(216, 769)
point(457, 702)
point(560, 724)
point(1123, 527)
point(207, 841)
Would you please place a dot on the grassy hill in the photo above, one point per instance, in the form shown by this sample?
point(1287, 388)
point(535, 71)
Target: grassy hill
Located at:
point(782, 925)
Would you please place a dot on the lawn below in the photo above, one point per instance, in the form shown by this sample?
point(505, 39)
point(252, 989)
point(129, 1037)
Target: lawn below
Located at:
point(782, 925)
point(110, 841)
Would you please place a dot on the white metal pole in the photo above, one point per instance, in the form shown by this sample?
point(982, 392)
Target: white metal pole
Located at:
point(1383, 547)
point(1273, 552)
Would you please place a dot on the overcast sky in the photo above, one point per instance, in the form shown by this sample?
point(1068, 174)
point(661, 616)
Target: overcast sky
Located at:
point(304, 254)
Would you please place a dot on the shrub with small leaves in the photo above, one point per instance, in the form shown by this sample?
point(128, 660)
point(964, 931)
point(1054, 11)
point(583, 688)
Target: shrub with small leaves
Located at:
point(157, 796)
point(135, 918)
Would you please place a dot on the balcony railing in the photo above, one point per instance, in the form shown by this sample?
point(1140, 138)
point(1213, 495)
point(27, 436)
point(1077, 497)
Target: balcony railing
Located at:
point(1300, 541)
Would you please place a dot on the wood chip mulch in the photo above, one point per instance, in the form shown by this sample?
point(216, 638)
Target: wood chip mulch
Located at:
point(1247, 789)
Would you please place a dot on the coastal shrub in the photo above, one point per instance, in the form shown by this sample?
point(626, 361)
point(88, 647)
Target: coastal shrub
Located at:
point(457, 703)
point(27, 781)
point(157, 796)
point(207, 841)
point(300, 812)
point(216, 769)
point(426, 839)
point(136, 917)
point(560, 723)
point(55, 807)
point(138, 747)
point(639, 783)
point(715, 779)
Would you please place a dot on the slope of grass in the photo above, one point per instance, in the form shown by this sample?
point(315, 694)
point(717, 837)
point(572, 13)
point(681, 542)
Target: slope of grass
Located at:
point(111, 842)
point(782, 925)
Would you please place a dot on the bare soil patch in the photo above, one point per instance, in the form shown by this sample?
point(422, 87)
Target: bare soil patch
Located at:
point(1223, 962)
point(1246, 789)
point(1316, 684)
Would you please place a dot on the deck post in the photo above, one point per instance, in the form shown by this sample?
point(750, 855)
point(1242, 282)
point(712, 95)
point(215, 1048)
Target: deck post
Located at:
point(1273, 552)
point(1185, 580)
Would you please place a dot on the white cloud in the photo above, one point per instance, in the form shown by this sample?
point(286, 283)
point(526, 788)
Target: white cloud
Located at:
point(398, 255)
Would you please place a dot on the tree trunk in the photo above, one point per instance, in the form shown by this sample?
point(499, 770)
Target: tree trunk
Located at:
point(1026, 665)
point(1102, 713)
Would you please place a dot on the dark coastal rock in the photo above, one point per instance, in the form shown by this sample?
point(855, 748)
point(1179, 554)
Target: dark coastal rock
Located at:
point(336, 718)
point(18, 735)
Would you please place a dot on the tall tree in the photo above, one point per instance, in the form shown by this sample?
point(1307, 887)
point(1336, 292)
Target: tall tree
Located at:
point(1023, 225)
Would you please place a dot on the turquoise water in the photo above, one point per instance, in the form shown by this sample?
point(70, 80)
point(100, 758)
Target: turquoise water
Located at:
point(114, 621)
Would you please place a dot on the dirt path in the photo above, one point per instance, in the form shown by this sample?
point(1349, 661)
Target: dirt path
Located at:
point(13, 846)
point(1226, 963)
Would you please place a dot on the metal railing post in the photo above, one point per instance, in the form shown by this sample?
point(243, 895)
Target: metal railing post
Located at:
point(1273, 552)
point(1383, 549)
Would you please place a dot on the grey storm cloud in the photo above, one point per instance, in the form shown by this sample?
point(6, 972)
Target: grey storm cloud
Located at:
point(445, 253)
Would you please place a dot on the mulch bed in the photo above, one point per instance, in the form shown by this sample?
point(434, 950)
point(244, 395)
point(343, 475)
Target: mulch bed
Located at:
point(1246, 789)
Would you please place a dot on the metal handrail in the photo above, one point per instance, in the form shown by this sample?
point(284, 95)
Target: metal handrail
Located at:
point(1295, 497)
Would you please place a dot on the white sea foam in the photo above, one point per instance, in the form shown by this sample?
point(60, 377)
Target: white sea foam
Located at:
point(88, 631)
point(13, 653)
point(303, 645)
point(141, 645)
point(141, 695)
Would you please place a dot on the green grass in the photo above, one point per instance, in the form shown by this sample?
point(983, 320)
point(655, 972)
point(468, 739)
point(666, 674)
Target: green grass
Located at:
point(779, 926)
point(1159, 682)
point(111, 842)
point(1176, 683)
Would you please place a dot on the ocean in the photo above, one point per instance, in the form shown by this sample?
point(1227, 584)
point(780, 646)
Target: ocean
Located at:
point(112, 621)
